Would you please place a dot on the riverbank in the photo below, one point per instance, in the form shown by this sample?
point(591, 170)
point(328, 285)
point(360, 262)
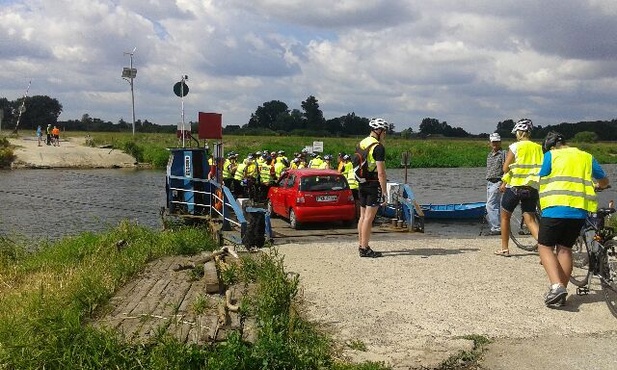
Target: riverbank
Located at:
point(71, 153)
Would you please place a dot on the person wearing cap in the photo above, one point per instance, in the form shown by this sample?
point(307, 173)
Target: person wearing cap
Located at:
point(494, 170)
point(520, 182)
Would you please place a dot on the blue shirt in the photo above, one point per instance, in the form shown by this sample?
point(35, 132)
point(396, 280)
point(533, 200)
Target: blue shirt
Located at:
point(563, 211)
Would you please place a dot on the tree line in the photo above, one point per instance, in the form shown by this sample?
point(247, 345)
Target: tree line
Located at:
point(275, 117)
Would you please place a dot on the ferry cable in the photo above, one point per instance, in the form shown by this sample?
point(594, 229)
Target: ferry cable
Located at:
point(42, 197)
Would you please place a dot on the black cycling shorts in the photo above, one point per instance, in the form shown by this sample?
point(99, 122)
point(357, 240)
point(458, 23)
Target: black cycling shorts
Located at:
point(369, 195)
point(526, 196)
point(559, 231)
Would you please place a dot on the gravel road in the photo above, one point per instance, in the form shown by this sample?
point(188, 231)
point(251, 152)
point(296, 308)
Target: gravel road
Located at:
point(411, 306)
point(70, 154)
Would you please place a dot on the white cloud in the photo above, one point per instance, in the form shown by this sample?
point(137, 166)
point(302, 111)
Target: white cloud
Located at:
point(471, 63)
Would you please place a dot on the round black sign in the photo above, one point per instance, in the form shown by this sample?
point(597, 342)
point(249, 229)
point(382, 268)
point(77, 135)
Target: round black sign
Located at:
point(181, 89)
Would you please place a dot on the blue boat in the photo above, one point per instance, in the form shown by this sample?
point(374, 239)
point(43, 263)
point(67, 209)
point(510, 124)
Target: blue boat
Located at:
point(472, 210)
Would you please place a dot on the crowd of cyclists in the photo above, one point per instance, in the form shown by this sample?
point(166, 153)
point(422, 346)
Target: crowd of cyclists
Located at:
point(252, 176)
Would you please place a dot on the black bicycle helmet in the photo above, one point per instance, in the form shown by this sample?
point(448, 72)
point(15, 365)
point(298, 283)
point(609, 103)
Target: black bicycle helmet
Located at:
point(552, 138)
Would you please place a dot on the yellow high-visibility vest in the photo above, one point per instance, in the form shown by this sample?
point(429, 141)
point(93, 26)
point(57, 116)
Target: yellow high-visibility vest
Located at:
point(570, 183)
point(528, 163)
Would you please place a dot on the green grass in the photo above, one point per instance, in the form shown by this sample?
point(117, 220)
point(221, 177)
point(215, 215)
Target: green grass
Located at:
point(428, 153)
point(49, 296)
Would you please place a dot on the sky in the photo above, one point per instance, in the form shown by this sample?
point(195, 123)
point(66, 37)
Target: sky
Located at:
point(469, 63)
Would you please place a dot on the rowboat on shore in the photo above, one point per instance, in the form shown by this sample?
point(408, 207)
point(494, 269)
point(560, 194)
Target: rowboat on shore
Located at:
point(447, 211)
point(454, 211)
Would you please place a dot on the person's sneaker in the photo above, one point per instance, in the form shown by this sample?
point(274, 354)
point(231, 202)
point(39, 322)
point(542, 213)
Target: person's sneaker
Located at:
point(368, 252)
point(555, 295)
point(491, 233)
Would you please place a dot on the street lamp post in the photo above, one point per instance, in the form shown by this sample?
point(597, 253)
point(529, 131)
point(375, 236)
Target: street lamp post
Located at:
point(129, 73)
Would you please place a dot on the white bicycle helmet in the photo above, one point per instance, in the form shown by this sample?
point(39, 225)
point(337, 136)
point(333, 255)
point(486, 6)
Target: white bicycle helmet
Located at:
point(524, 124)
point(378, 123)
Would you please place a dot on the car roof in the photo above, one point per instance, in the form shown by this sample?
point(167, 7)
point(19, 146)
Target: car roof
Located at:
point(312, 172)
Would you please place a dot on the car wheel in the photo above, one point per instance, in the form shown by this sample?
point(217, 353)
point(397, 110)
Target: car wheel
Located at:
point(270, 209)
point(293, 222)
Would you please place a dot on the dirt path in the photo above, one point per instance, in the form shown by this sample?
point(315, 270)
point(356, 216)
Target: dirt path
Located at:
point(411, 306)
point(70, 154)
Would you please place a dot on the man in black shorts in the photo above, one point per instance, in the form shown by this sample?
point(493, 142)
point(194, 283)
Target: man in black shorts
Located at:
point(372, 192)
point(567, 195)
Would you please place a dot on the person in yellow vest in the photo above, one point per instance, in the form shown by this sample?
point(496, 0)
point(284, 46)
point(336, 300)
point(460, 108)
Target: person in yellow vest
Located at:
point(294, 163)
point(340, 167)
point(279, 167)
point(325, 165)
point(260, 158)
point(316, 162)
point(520, 182)
point(351, 180)
point(252, 178)
point(229, 169)
point(239, 177)
point(280, 157)
point(372, 192)
point(265, 177)
point(567, 195)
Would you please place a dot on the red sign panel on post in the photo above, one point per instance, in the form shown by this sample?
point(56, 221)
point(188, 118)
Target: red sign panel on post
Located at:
point(210, 126)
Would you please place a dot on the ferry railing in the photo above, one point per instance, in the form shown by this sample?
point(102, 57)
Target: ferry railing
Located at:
point(213, 194)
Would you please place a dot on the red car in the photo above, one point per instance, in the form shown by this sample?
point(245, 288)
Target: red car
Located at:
point(312, 195)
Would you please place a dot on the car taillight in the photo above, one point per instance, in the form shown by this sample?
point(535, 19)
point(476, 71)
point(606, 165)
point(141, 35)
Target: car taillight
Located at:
point(299, 200)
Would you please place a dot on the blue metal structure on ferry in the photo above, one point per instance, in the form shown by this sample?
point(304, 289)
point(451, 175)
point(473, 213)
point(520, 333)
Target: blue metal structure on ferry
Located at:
point(194, 189)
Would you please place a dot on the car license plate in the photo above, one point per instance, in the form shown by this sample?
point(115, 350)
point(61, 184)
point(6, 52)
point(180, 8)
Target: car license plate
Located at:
point(326, 198)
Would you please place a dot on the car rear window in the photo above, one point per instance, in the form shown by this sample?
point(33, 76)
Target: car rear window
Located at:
point(323, 183)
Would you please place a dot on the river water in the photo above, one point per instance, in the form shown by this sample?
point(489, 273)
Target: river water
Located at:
point(53, 203)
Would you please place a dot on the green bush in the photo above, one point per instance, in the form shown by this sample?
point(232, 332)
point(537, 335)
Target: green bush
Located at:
point(585, 137)
point(134, 149)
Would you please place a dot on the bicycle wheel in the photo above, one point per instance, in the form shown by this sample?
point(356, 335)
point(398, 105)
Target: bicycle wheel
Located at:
point(609, 276)
point(580, 263)
point(520, 234)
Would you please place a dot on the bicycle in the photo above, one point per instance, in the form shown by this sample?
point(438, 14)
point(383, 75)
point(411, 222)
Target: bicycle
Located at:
point(519, 233)
point(594, 254)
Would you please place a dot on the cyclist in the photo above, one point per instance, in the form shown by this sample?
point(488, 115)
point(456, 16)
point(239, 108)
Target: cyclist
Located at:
point(567, 194)
point(372, 193)
point(520, 182)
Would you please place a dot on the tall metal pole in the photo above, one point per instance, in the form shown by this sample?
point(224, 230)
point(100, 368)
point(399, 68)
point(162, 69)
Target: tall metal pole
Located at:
point(130, 75)
point(184, 77)
point(132, 93)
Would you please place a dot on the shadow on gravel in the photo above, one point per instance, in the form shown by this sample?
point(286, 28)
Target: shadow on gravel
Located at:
point(427, 252)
